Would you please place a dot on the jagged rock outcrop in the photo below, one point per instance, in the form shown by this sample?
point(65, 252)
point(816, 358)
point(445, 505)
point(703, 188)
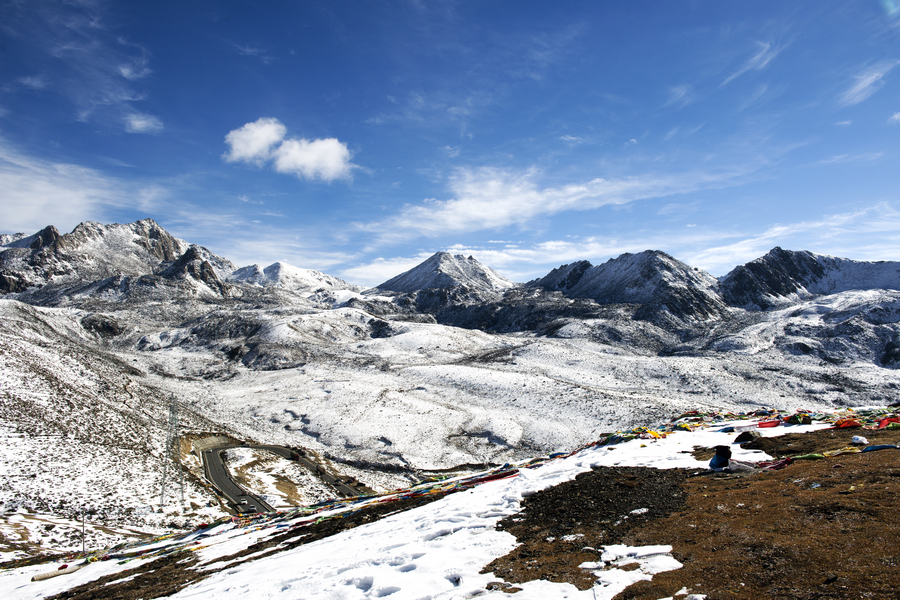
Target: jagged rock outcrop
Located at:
point(194, 264)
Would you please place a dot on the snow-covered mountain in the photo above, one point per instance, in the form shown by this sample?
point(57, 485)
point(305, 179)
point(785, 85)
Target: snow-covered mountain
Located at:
point(94, 252)
point(784, 276)
point(445, 270)
point(289, 277)
point(668, 290)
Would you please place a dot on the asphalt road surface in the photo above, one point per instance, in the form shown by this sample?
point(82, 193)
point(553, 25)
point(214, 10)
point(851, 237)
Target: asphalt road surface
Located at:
point(218, 475)
point(243, 502)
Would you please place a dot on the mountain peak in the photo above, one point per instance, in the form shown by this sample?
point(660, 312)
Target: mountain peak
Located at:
point(783, 276)
point(289, 277)
point(666, 287)
point(445, 270)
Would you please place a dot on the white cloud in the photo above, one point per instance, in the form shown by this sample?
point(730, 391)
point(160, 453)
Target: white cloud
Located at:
point(489, 198)
point(142, 123)
point(894, 118)
point(326, 159)
point(867, 83)
point(36, 193)
point(571, 139)
point(759, 61)
point(253, 142)
point(452, 151)
point(34, 82)
point(263, 140)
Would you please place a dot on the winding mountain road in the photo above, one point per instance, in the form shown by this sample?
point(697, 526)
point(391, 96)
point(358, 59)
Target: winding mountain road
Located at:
point(217, 474)
point(243, 502)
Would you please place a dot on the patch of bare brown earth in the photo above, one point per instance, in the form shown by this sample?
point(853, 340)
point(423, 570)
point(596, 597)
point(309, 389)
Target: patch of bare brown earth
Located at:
point(816, 529)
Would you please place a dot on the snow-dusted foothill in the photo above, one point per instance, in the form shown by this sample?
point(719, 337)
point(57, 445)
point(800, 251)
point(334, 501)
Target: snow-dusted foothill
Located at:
point(289, 277)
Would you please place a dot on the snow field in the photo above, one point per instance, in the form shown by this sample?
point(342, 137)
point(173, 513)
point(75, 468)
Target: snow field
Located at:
point(446, 396)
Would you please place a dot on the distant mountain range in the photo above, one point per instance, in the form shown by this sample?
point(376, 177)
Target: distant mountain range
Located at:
point(666, 289)
point(95, 260)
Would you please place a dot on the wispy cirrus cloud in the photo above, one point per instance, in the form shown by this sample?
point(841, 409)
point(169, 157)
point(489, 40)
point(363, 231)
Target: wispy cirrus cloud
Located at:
point(866, 82)
point(263, 141)
point(93, 67)
point(894, 118)
point(490, 198)
point(135, 69)
point(434, 109)
point(34, 82)
point(254, 52)
point(766, 53)
point(37, 192)
point(847, 234)
point(572, 139)
point(680, 95)
point(852, 158)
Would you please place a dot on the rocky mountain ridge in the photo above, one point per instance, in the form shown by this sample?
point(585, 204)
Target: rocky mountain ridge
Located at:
point(646, 302)
point(783, 276)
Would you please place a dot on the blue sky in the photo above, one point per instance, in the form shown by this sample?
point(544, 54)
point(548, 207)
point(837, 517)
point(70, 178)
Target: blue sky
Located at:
point(358, 138)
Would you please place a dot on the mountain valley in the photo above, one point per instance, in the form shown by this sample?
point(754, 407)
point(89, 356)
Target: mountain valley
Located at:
point(445, 368)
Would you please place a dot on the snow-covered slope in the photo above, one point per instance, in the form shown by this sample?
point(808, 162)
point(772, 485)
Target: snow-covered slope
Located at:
point(444, 270)
point(83, 429)
point(438, 550)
